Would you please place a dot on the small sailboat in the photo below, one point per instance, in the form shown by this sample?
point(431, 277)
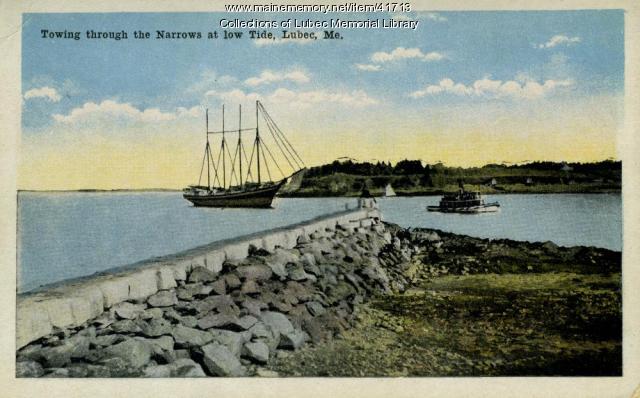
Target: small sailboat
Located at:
point(388, 191)
point(232, 186)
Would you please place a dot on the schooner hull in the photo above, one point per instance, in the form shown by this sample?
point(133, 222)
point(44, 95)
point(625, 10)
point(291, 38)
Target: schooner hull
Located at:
point(258, 198)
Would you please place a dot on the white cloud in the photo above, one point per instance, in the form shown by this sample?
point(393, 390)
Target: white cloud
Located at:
point(117, 111)
point(558, 40)
point(487, 87)
point(368, 67)
point(269, 76)
point(234, 96)
point(401, 53)
point(46, 92)
point(300, 99)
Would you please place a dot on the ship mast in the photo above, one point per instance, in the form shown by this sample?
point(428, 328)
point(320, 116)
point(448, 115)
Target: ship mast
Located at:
point(206, 149)
point(240, 140)
point(258, 141)
point(224, 169)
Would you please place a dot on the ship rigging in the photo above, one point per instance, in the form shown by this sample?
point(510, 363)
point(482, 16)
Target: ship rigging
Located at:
point(238, 179)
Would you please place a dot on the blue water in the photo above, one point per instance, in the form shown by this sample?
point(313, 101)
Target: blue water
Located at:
point(66, 235)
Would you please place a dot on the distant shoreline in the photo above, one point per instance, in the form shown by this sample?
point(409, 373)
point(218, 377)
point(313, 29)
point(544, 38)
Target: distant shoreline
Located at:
point(99, 190)
point(329, 195)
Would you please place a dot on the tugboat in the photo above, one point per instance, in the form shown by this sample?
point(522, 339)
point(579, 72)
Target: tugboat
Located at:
point(464, 202)
point(228, 186)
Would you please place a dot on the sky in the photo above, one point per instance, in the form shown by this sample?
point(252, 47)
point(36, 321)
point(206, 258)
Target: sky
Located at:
point(464, 88)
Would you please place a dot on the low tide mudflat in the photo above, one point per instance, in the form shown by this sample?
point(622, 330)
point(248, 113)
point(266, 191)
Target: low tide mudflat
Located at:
point(563, 321)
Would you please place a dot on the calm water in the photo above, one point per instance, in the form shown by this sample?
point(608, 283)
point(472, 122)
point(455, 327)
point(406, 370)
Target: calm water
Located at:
point(66, 235)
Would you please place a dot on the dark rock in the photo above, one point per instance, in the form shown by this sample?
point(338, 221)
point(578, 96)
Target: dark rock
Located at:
point(201, 274)
point(29, 369)
point(164, 298)
point(293, 340)
point(220, 361)
point(256, 352)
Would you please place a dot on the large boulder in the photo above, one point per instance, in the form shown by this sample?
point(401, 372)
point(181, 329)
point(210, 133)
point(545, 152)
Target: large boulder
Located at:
point(186, 367)
point(257, 272)
point(256, 352)
point(189, 337)
point(278, 322)
point(232, 340)
point(134, 352)
point(29, 369)
point(128, 310)
point(293, 340)
point(164, 298)
point(219, 361)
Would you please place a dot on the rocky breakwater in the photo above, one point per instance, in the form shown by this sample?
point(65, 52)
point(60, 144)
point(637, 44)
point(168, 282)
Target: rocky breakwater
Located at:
point(234, 320)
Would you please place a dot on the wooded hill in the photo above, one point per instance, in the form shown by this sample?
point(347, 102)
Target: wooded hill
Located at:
point(412, 177)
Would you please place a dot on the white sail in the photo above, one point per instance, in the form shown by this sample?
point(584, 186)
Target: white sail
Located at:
point(388, 191)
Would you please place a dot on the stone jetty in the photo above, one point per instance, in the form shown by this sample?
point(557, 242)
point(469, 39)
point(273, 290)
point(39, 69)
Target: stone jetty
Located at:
point(221, 310)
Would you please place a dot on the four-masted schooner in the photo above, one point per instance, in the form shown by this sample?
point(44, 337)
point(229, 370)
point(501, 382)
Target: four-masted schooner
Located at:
point(229, 186)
